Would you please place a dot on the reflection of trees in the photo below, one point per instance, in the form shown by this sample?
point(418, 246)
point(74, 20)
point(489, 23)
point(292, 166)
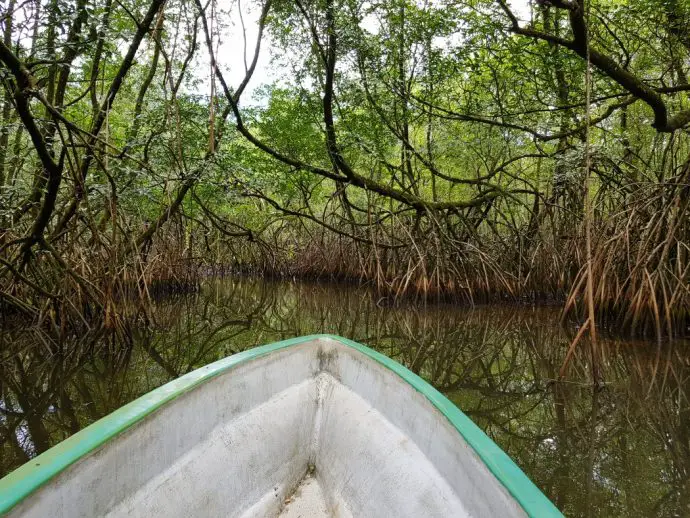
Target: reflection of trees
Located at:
point(621, 451)
point(44, 397)
point(662, 407)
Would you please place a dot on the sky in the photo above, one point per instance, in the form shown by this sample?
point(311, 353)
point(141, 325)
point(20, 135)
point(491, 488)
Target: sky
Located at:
point(230, 51)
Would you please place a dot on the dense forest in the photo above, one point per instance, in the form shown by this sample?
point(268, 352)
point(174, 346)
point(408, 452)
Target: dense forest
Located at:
point(470, 150)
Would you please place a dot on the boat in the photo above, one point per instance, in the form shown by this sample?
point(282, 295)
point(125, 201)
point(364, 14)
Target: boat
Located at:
point(316, 426)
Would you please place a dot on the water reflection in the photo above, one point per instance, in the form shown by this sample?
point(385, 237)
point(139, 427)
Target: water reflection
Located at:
point(620, 451)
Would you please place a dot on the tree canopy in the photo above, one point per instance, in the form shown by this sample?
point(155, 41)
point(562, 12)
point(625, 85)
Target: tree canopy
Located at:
point(438, 148)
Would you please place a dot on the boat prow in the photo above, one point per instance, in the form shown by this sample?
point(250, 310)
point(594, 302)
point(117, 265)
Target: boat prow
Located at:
point(313, 426)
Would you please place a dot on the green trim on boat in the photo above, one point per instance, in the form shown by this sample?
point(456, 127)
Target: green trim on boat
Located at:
point(26, 479)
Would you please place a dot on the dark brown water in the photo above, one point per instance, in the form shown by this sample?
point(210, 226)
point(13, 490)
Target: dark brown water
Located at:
point(623, 450)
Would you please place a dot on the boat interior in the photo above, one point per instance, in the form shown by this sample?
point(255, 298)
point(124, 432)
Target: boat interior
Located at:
point(317, 429)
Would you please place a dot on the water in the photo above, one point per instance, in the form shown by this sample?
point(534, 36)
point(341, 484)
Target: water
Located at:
point(623, 450)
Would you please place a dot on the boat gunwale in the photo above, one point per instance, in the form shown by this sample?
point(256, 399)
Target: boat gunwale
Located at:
point(22, 482)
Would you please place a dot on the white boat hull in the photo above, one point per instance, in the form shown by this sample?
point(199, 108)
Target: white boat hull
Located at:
point(316, 428)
